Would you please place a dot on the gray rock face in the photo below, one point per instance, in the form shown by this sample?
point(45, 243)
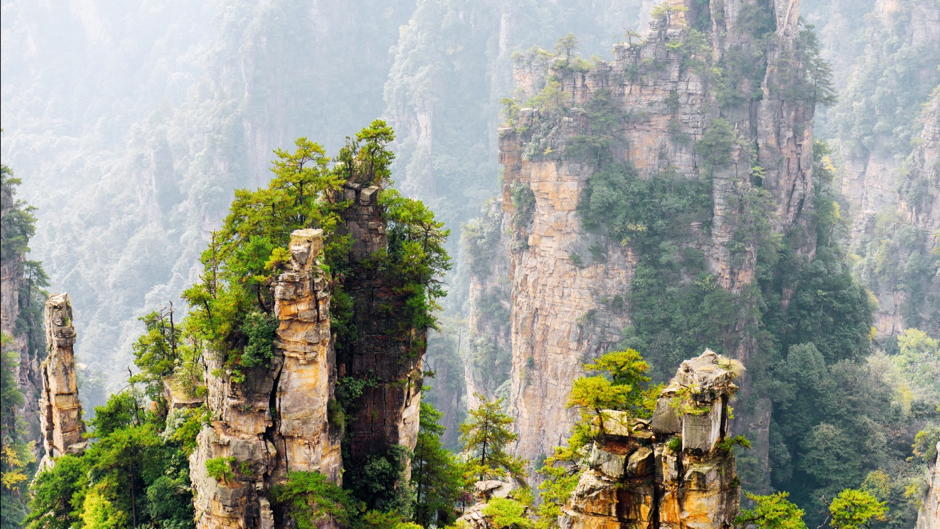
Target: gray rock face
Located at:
point(61, 410)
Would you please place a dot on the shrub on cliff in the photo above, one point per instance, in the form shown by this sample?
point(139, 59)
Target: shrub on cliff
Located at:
point(622, 384)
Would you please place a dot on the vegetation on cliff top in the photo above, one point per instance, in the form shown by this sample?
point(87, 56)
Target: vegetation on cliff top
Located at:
point(17, 440)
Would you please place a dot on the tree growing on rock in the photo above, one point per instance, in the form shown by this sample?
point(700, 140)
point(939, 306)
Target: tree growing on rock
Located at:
point(485, 436)
point(619, 386)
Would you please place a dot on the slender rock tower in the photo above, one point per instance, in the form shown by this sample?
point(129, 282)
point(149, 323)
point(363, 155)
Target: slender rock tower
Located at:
point(275, 421)
point(60, 409)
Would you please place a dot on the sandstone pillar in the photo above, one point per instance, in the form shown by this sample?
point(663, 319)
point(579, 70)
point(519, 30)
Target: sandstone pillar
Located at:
point(276, 420)
point(671, 471)
point(60, 408)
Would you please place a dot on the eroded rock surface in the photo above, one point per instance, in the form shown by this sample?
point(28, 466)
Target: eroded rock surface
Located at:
point(277, 419)
point(61, 410)
point(668, 472)
point(385, 350)
point(568, 286)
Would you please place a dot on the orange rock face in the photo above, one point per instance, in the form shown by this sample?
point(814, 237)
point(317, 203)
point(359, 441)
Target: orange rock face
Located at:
point(275, 421)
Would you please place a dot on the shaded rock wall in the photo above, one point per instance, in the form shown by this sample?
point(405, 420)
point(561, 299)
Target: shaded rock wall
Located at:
point(385, 349)
point(929, 515)
point(276, 420)
point(635, 477)
point(487, 364)
point(60, 408)
point(562, 310)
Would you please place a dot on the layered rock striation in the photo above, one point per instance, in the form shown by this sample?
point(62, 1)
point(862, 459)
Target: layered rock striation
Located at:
point(385, 350)
point(275, 421)
point(568, 285)
point(668, 472)
point(61, 410)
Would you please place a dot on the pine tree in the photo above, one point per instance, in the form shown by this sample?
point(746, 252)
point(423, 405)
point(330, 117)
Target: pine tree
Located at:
point(435, 473)
point(485, 436)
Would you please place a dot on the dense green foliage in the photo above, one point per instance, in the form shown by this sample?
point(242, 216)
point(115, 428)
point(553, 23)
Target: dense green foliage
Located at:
point(624, 390)
point(436, 474)
point(231, 305)
point(506, 513)
point(485, 436)
point(17, 445)
point(133, 475)
point(890, 83)
point(851, 509)
point(772, 512)
point(16, 451)
point(18, 223)
point(309, 498)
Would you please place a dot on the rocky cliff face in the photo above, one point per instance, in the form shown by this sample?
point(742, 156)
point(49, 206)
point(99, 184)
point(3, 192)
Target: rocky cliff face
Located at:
point(929, 515)
point(870, 181)
point(276, 420)
point(385, 351)
point(670, 472)
point(61, 410)
point(890, 168)
point(919, 207)
point(12, 284)
point(898, 244)
point(488, 364)
point(568, 307)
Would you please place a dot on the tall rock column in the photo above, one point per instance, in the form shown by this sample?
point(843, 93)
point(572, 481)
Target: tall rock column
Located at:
point(671, 471)
point(60, 408)
point(571, 287)
point(386, 350)
point(308, 376)
point(274, 421)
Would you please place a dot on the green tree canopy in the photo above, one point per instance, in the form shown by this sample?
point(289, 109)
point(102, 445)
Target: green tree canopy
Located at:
point(436, 475)
point(485, 436)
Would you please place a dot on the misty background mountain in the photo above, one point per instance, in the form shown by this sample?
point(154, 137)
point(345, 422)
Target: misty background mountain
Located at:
point(131, 124)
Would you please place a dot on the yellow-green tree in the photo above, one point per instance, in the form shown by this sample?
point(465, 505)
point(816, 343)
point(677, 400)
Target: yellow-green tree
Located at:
point(485, 435)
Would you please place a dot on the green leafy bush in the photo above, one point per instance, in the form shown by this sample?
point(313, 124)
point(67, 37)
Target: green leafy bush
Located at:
point(221, 468)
